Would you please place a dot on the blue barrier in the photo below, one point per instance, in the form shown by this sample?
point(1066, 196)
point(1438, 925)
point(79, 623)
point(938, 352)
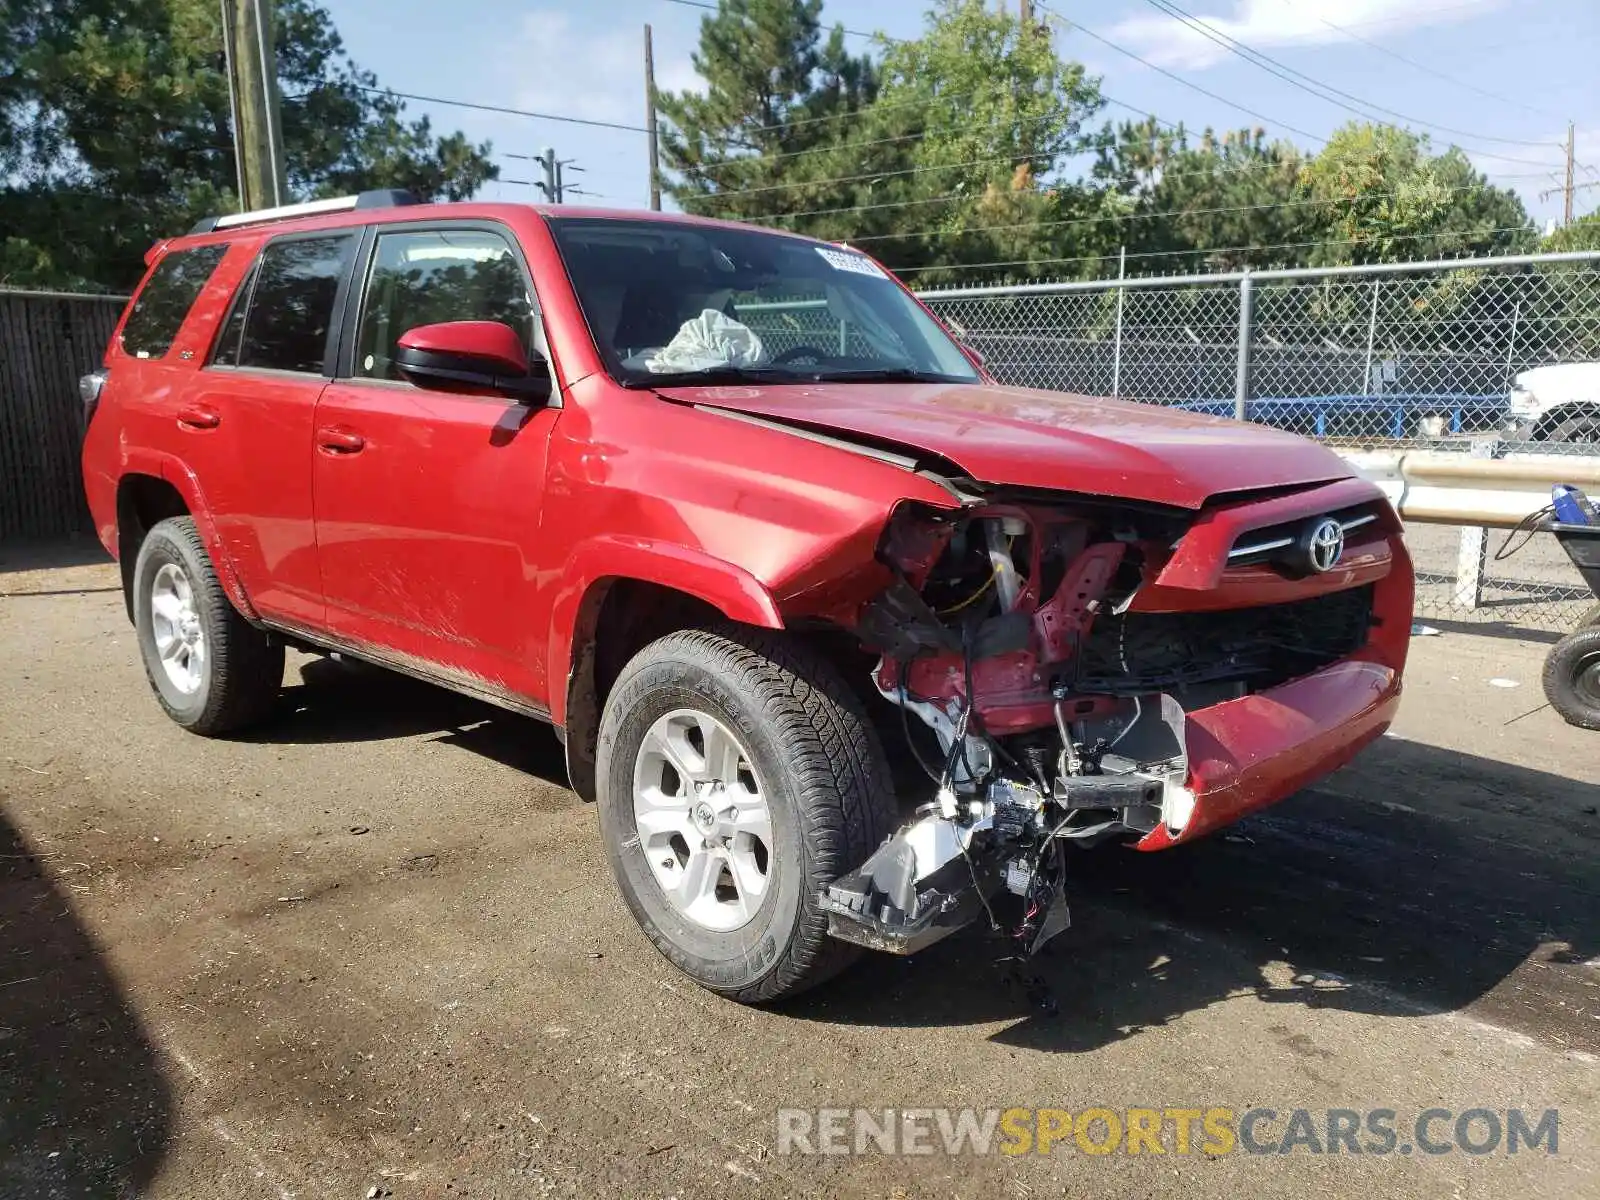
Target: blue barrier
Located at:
point(1313, 412)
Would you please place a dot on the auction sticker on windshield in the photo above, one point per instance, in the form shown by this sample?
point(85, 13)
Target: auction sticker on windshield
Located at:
point(841, 261)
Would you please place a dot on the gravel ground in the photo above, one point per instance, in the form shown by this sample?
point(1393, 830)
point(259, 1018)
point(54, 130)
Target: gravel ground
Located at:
point(375, 945)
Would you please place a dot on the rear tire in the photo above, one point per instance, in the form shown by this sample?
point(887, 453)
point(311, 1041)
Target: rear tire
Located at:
point(804, 779)
point(212, 671)
point(1572, 678)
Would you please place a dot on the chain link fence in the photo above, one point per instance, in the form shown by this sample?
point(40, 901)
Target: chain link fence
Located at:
point(1424, 355)
point(1443, 356)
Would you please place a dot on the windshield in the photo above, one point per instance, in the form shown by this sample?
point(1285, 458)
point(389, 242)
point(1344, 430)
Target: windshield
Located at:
point(670, 303)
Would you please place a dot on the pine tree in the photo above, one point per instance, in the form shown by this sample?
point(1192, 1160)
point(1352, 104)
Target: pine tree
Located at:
point(775, 93)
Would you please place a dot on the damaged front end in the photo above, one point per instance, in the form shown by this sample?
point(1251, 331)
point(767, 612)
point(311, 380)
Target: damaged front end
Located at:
point(997, 641)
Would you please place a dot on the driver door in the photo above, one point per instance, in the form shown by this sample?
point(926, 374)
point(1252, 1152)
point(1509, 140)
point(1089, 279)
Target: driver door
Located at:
point(427, 502)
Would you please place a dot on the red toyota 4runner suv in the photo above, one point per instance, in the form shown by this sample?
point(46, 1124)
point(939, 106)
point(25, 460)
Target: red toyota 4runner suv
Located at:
point(849, 642)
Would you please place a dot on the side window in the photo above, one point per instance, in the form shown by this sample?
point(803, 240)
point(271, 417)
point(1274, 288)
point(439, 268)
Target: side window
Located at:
point(290, 297)
point(226, 353)
point(424, 277)
point(166, 299)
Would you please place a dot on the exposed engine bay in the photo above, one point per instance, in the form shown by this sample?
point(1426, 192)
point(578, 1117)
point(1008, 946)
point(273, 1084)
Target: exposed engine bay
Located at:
point(1043, 712)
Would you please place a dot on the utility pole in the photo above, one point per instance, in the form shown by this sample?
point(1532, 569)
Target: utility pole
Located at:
point(554, 185)
point(551, 187)
point(650, 121)
point(1566, 208)
point(247, 41)
point(1025, 12)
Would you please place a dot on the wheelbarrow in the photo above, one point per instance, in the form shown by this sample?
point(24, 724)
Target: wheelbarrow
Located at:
point(1572, 669)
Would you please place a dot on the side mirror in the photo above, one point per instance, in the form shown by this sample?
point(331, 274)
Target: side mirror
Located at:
point(457, 356)
point(974, 354)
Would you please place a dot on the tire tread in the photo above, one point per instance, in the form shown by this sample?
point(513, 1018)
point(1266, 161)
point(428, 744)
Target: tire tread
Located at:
point(246, 663)
point(841, 778)
point(1557, 677)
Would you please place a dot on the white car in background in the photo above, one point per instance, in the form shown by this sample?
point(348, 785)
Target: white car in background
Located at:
point(1558, 403)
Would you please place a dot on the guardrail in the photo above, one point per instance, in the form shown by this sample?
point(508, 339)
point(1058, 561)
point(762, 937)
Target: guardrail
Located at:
point(1492, 487)
point(1474, 489)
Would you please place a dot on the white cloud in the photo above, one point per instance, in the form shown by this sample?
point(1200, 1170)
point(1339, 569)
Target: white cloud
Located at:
point(1264, 24)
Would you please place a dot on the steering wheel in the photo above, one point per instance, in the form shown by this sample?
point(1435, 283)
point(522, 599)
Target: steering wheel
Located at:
point(794, 353)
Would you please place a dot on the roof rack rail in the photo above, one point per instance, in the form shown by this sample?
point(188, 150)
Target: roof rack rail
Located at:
point(378, 198)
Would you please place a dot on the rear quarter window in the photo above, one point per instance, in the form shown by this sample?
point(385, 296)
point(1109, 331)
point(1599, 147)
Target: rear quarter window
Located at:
point(166, 298)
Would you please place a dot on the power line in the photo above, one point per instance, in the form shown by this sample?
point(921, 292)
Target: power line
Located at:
point(1411, 15)
point(878, 106)
point(920, 135)
point(1144, 112)
point(1192, 86)
point(498, 108)
point(1040, 262)
point(1131, 180)
point(1118, 218)
point(877, 175)
point(873, 175)
point(1423, 67)
point(1323, 91)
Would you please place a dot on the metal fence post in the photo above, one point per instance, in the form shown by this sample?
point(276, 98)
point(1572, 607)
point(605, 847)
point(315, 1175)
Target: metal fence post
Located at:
point(1241, 379)
point(1472, 555)
point(1511, 342)
point(1372, 334)
point(1116, 350)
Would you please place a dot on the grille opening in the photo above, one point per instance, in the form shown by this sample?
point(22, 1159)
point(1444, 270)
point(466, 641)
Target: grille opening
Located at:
point(1137, 653)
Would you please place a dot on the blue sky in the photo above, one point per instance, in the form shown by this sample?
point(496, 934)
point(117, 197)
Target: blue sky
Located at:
point(1508, 72)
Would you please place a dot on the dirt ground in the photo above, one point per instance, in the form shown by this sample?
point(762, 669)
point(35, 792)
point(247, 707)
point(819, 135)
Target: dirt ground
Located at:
point(375, 945)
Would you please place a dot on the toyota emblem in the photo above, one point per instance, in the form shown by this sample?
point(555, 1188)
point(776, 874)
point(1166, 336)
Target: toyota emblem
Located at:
point(1324, 545)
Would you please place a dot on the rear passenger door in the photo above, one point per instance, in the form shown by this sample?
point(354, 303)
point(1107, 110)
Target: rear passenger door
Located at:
point(247, 417)
point(428, 502)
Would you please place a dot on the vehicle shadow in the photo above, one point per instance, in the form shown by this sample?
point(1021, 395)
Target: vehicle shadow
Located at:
point(346, 701)
point(84, 1107)
point(1415, 881)
point(80, 551)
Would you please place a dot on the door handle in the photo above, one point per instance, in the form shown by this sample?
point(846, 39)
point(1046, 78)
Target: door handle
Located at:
point(336, 440)
point(198, 418)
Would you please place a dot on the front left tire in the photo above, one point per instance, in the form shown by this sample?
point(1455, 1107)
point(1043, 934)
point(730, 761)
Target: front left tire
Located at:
point(211, 670)
point(738, 776)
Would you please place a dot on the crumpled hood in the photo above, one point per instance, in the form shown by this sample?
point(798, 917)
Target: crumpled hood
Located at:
point(1026, 438)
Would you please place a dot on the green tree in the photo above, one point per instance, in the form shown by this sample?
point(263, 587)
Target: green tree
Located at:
point(1582, 234)
point(1387, 198)
point(1228, 202)
point(972, 127)
point(1567, 306)
point(115, 131)
point(776, 93)
point(943, 152)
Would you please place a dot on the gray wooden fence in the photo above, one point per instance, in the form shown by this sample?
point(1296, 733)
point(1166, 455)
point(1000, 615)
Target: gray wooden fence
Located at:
point(47, 340)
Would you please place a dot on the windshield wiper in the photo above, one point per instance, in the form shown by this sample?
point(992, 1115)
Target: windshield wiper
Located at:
point(715, 376)
point(886, 375)
point(718, 376)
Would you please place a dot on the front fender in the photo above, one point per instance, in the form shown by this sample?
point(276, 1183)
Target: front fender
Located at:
point(730, 589)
